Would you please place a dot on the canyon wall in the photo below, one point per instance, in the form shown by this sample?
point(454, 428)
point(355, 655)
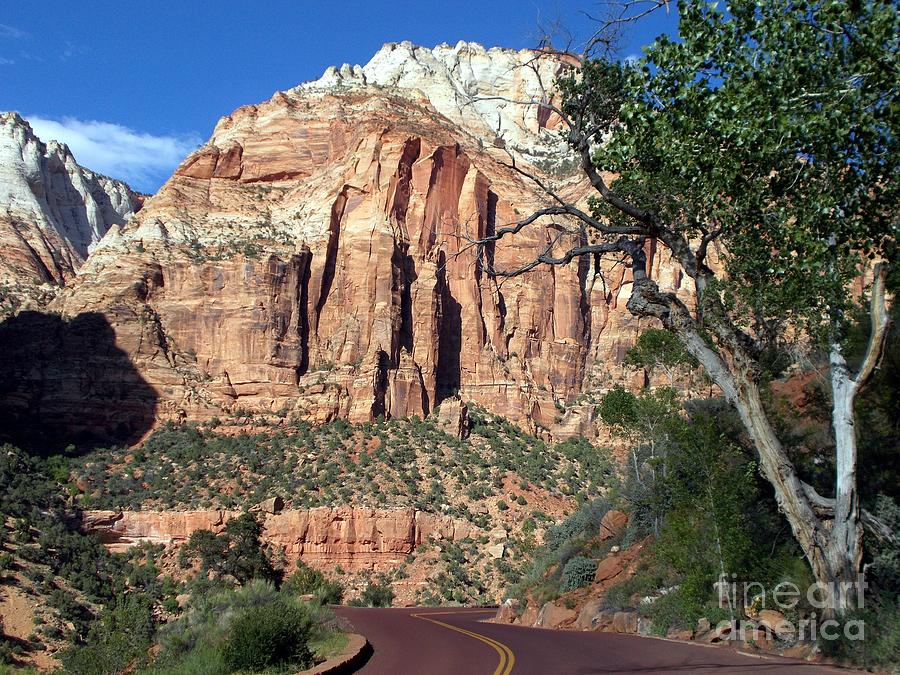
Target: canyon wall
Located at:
point(314, 258)
point(52, 211)
point(357, 539)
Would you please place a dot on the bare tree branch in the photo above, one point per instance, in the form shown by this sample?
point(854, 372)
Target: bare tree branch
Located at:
point(547, 257)
point(881, 320)
point(824, 508)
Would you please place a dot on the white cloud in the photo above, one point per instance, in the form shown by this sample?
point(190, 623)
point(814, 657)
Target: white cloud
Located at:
point(12, 32)
point(142, 160)
point(6, 62)
point(69, 50)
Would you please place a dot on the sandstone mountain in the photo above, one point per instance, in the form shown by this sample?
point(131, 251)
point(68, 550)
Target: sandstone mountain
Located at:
point(52, 211)
point(313, 258)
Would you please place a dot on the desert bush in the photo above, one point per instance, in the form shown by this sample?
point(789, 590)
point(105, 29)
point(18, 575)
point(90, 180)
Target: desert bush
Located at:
point(274, 634)
point(376, 595)
point(117, 641)
point(205, 640)
point(236, 553)
point(880, 647)
point(578, 572)
point(309, 581)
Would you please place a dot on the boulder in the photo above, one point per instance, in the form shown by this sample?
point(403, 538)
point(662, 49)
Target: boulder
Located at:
point(776, 622)
point(645, 626)
point(612, 523)
point(609, 568)
point(453, 417)
point(271, 505)
point(529, 616)
point(553, 616)
point(625, 622)
point(758, 638)
point(703, 626)
point(496, 551)
point(593, 616)
point(723, 631)
point(679, 634)
point(499, 534)
point(508, 611)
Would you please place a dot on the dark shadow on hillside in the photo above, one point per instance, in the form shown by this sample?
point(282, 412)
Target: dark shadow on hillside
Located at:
point(448, 375)
point(65, 382)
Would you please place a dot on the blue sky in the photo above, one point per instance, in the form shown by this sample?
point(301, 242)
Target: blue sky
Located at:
point(134, 86)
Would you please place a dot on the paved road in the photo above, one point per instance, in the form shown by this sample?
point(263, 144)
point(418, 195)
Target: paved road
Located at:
point(436, 641)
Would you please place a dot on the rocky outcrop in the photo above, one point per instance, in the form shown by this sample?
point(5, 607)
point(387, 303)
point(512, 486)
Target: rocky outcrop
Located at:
point(508, 611)
point(354, 538)
point(314, 257)
point(612, 524)
point(498, 95)
point(52, 211)
point(554, 616)
point(453, 417)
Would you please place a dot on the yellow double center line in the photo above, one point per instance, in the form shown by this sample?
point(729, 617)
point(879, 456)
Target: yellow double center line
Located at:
point(507, 659)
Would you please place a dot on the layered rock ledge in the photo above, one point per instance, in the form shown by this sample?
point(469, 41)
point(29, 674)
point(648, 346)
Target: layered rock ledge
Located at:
point(355, 538)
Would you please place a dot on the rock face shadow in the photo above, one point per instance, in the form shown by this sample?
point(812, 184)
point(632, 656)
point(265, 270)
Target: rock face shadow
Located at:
point(65, 382)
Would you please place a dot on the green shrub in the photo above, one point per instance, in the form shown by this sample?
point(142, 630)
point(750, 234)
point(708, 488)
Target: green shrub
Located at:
point(584, 523)
point(305, 580)
point(274, 634)
point(578, 572)
point(672, 610)
point(309, 581)
point(235, 553)
point(329, 593)
point(881, 646)
point(886, 555)
point(642, 583)
point(120, 637)
point(377, 595)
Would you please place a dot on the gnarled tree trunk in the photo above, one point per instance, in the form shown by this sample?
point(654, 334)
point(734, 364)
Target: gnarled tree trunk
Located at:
point(828, 531)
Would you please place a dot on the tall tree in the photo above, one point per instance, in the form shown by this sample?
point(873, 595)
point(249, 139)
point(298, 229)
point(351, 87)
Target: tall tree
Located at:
point(760, 149)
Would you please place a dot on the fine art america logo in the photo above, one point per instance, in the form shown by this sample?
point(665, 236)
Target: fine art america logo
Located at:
point(822, 601)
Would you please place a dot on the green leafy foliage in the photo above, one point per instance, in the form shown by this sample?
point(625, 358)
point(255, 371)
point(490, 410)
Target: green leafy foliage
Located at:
point(237, 552)
point(309, 581)
point(578, 572)
point(120, 638)
point(646, 415)
point(885, 566)
point(242, 628)
point(273, 634)
point(773, 125)
point(544, 577)
point(377, 595)
point(659, 349)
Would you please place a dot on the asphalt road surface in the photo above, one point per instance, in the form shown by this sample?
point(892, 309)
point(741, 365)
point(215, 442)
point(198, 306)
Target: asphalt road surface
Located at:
point(444, 641)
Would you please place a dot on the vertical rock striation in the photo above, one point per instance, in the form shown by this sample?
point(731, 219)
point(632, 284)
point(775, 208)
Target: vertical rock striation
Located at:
point(52, 211)
point(315, 257)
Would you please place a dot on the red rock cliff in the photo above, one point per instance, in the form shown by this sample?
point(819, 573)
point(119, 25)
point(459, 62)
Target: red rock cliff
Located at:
point(355, 538)
point(314, 258)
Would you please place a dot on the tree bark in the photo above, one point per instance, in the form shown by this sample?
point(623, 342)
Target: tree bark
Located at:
point(845, 543)
point(833, 549)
